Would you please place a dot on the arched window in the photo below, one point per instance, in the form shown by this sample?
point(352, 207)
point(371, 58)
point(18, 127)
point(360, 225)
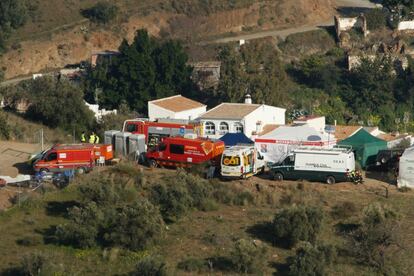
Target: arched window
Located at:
point(238, 127)
point(224, 128)
point(209, 128)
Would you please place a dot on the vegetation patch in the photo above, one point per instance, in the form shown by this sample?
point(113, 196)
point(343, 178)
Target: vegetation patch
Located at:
point(102, 12)
point(297, 223)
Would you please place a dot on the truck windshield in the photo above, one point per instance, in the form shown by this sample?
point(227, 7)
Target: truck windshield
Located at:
point(52, 156)
point(231, 160)
point(131, 127)
point(161, 147)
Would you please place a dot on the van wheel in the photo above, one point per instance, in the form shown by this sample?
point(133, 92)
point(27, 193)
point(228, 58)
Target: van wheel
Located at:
point(278, 176)
point(80, 170)
point(330, 180)
point(152, 163)
point(262, 170)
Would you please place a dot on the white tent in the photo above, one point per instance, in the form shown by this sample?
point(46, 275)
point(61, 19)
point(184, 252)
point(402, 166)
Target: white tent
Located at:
point(406, 169)
point(277, 144)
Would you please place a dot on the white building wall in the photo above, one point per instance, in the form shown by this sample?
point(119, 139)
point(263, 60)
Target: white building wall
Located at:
point(217, 122)
point(99, 112)
point(317, 123)
point(191, 114)
point(406, 26)
point(265, 114)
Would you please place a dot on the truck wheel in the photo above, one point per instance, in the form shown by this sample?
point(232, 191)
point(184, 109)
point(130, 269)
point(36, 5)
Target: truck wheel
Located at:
point(80, 170)
point(278, 176)
point(330, 180)
point(152, 163)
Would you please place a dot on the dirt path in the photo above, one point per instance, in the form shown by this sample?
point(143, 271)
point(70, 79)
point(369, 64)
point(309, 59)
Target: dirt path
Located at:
point(282, 34)
point(14, 155)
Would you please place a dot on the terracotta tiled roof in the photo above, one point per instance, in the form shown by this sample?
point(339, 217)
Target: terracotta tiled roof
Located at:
point(177, 103)
point(268, 128)
point(343, 132)
point(234, 111)
point(391, 137)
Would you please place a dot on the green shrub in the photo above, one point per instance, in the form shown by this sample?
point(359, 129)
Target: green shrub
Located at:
point(135, 226)
point(343, 210)
point(84, 227)
point(58, 104)
point(174, 200)
point(102, 12)
point(230, 195)
point(311, 260)
point(294, 224)
point(36, 264)
point(199, 188)
point(104, 191)
point(193, 265)
point(376, 242)
point(4, 126)
point(248, 257)
point(151, 266)
point(376, 18)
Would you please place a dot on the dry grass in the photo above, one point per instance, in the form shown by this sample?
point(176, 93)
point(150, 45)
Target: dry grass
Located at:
point(204, 235)
point(52, 16)
point(26, 131)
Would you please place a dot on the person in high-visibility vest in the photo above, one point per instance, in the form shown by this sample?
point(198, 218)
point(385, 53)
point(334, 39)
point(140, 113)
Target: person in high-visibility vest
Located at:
point(92, 138)
point(83, 137)
point(96, 139)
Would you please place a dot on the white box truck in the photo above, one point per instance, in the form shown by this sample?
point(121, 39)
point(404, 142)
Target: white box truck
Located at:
point(241, 162)
point(312, 164)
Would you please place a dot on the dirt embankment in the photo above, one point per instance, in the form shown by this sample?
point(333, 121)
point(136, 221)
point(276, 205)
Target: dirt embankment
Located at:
point(77, 43)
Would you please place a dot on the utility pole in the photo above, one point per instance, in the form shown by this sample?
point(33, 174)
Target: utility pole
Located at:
point(41, 137)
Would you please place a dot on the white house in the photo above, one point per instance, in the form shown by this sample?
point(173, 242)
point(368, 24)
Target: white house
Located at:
point(175, 107)
point(317, 122)
point(99, 112)
point(240, 117)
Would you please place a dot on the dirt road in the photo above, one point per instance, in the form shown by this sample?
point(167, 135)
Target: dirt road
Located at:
point(282, 34)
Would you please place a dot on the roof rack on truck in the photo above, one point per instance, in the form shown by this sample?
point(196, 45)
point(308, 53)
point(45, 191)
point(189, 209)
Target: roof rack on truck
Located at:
point(318, 149)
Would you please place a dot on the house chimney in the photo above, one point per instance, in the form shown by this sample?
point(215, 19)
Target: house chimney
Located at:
point(248, 99)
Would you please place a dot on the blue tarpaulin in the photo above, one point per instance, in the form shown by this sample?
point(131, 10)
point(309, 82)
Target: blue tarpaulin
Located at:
point(232, 139)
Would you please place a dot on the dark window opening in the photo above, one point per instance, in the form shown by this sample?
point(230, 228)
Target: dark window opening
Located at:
point(177, 149)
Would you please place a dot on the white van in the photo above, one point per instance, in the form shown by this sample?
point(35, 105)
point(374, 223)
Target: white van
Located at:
point(312, 164)
point(241, 162)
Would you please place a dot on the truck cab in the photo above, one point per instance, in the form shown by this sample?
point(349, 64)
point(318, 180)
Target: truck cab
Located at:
point(321, 165)
point(241, 162)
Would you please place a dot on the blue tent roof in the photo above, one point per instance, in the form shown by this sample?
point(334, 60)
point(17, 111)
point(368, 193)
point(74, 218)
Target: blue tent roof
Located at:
point(232, 139)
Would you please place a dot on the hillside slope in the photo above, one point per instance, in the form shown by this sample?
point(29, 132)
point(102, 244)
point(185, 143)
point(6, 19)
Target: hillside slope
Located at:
point(58, 35)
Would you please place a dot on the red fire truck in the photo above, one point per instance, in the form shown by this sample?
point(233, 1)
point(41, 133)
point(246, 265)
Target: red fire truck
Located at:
point(154, 131)
point(184, 152)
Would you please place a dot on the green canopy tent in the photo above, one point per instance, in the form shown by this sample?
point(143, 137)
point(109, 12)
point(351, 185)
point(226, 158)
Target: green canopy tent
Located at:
point(365, 146)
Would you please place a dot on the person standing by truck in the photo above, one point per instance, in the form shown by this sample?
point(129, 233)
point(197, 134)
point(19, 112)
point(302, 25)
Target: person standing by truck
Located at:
point(96, 139)
point(92, 138)
point(83, 137)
